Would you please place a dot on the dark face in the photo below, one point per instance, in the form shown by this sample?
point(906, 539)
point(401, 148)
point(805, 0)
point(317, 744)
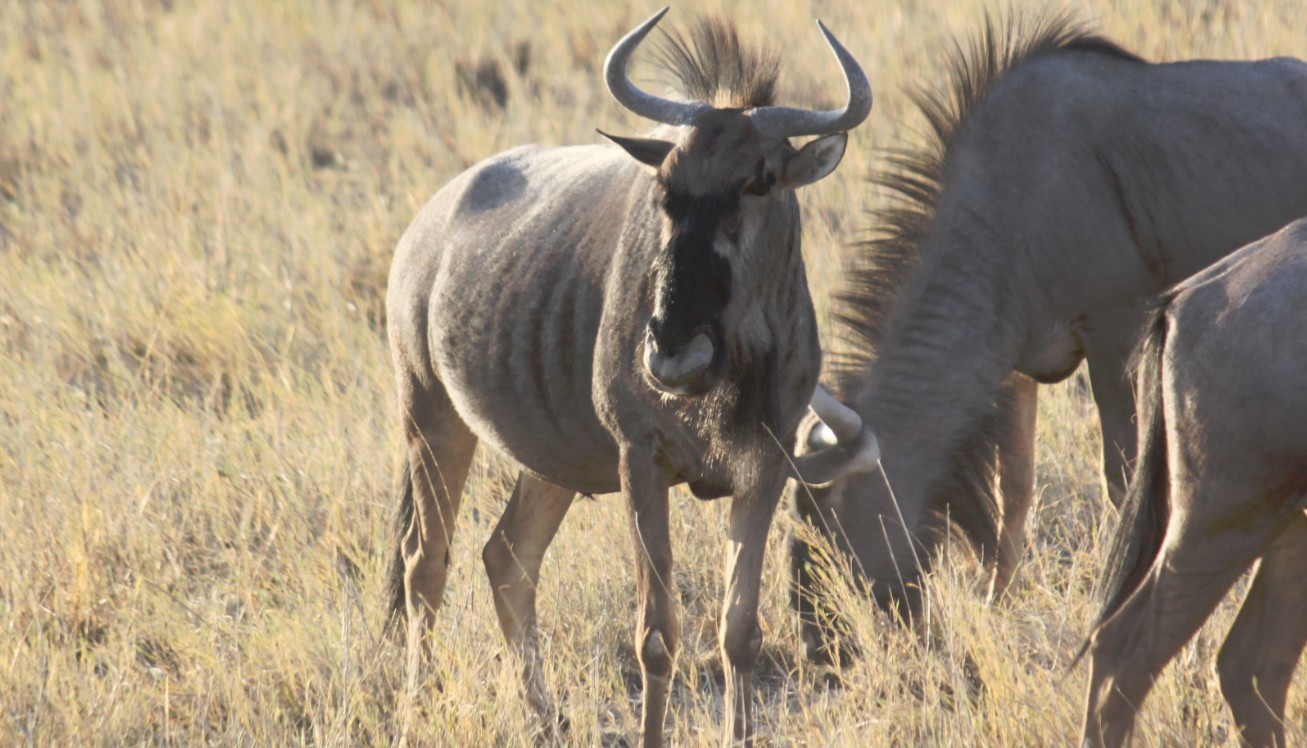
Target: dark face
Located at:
point(713, 188)
point(692, 287)
point(719, 204)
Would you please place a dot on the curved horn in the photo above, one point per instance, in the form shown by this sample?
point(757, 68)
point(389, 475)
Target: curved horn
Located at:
point(843, 420)
point(822, 468)
point(665, 111)
point(784, 122)
point(855, 449)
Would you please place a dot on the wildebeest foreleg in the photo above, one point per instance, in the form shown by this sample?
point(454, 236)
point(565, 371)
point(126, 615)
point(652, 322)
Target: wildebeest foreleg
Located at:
point(1202, 555)
point(1115, 401)
point(657, 628)
point(1263, 647)
point(740, 635)
point(1016, 475)
point(512, 558)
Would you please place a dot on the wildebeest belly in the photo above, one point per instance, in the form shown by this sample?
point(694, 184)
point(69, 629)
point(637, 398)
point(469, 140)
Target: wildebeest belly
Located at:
point(518, 369)
point(514, 313)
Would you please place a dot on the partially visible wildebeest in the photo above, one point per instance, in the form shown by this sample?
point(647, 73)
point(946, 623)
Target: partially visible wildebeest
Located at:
point(1067, 182)
point(1221, 482)
point(621, 317)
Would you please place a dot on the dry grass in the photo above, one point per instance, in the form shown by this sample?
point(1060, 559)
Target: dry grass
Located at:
point(198, 450)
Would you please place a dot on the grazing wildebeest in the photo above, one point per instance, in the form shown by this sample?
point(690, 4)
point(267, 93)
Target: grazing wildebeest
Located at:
point(621, 317)
point(1221, 481)
point(1067, 181)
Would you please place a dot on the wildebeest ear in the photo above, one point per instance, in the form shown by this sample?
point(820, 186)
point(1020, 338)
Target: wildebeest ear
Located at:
point(815, 160)
point(649, 151)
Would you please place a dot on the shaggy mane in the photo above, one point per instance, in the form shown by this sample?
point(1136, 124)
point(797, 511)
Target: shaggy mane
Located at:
point(882, 263)
point(712, 66)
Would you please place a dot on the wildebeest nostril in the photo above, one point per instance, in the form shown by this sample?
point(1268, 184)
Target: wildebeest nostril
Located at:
point(672, 372)
point(655, 337)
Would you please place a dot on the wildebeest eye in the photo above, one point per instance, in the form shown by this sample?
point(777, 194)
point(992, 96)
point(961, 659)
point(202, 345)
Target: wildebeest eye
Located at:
point(731, 224)
point(759, 185)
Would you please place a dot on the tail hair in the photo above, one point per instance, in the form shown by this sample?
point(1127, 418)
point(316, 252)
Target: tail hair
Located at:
point(395, 575)
point(1148, 500)
point(1147, 507)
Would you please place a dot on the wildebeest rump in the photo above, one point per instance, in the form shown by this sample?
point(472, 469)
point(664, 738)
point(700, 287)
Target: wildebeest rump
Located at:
point(620, 317)
point(1221, 482)
point(1066, 181)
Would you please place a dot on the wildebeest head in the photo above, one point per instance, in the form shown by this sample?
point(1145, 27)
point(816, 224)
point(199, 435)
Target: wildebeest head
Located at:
point(727, 210)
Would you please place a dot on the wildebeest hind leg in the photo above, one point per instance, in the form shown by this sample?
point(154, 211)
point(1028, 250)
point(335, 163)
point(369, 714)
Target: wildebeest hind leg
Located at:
point(1202, 555)
point(512, 558)
point(440, 450)
point(1262, 649)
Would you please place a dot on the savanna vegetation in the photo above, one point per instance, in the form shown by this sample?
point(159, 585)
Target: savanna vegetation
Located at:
point(199, 449)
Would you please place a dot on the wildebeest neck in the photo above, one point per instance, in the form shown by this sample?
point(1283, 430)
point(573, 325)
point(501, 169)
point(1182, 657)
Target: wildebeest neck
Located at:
point(931, 396)
point(948, 343)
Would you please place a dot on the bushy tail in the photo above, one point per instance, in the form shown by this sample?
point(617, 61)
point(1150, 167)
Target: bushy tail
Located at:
point(1148, 500)
point(395, 575)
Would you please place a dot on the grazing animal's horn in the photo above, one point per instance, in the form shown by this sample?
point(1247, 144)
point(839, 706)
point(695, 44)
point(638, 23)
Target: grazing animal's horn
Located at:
point(856, 449)
point(784, 122)
point(665, 111)
point(843, 420)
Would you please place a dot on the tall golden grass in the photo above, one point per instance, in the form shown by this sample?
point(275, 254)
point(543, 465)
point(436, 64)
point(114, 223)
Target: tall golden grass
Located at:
point(198, 444)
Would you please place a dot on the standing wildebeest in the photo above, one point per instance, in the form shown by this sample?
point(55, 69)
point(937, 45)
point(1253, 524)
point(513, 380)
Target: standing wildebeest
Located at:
point(622, 318)
point(1221, 482)
point(1067, 182)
